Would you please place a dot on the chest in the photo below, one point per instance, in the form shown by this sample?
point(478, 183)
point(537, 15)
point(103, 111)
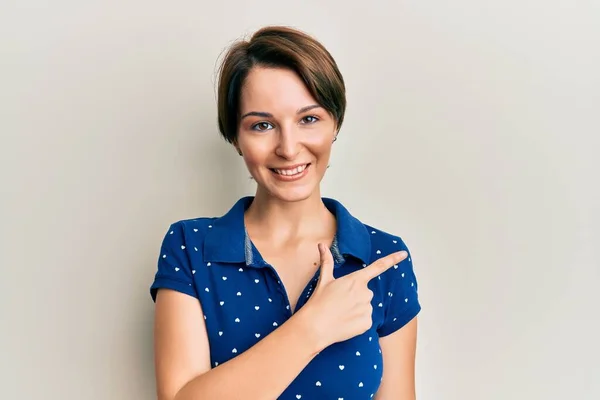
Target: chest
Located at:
point(245, 303)
point(296, 270)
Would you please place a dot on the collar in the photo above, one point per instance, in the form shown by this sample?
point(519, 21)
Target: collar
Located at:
point(228, 242)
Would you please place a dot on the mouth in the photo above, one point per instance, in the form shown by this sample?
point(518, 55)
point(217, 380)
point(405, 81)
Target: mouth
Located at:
point(295, 171)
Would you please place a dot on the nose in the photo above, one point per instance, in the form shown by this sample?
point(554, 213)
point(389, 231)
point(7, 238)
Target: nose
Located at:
point(288, 145)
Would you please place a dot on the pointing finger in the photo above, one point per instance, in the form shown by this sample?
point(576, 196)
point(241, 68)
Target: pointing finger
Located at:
point(381, 265)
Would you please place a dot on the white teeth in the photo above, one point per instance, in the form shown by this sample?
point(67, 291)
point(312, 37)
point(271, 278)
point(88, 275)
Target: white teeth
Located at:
point(290, 172)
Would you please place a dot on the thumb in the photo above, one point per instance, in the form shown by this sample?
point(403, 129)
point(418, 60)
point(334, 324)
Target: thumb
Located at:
point(326, 274)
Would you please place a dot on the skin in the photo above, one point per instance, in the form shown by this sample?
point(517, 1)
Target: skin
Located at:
point(282, 125)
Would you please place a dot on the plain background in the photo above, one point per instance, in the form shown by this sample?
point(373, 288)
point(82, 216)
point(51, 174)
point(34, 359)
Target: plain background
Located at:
point(472, 131)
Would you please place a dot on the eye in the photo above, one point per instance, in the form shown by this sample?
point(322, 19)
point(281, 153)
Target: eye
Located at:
point(309, 119)
point(262, 126)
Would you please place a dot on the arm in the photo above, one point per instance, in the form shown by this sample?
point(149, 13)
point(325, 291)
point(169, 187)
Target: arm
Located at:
point(399, 350)
point(182, 359)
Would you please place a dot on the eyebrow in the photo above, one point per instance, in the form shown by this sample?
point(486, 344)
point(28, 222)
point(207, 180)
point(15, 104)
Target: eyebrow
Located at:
point(269, 115)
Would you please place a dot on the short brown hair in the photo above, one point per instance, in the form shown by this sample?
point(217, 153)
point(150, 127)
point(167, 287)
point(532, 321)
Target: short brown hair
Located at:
point(278, 47)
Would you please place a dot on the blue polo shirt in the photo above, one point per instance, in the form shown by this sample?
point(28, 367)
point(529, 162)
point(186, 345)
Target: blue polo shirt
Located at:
point(214, 260)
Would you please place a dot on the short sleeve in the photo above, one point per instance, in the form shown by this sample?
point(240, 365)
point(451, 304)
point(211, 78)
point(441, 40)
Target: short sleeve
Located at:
point(401, 299)
point(174, 270)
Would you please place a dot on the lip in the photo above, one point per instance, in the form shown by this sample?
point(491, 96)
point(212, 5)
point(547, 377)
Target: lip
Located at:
point(288, 178)
point(291, 166)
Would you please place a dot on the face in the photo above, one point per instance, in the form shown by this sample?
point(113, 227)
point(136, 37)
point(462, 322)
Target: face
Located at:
point(284, 135)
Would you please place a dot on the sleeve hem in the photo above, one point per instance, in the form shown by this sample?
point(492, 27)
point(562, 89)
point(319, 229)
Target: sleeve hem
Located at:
point(408, 314)
point(166, 283)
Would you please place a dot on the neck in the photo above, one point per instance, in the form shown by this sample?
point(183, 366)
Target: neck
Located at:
point(286, 220)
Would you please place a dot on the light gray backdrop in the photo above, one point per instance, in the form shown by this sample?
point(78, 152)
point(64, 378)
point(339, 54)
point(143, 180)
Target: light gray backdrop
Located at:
point(472, 131)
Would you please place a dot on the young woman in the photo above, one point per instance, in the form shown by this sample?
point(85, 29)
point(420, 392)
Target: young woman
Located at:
point(286, 296)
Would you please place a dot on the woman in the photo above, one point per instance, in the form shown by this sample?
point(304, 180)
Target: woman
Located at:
point(287, 295)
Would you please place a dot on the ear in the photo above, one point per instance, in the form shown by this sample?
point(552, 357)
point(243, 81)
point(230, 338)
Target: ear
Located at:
point(237, 148)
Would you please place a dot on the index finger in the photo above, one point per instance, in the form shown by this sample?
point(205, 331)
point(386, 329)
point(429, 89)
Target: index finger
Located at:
point(381, 265)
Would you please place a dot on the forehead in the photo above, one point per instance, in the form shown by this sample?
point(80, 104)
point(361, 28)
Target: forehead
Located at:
point(273, 89)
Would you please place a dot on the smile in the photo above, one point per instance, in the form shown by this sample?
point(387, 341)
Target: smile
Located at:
point(287, 174)
point(291, 171)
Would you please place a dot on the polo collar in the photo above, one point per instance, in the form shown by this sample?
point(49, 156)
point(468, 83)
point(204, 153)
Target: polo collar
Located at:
point(227, 240)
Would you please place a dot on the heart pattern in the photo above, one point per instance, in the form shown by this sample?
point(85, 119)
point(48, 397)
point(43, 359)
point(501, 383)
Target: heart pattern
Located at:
point(234, 316)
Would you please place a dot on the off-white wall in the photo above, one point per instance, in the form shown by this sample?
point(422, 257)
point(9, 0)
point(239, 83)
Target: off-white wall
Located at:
point(472, 131)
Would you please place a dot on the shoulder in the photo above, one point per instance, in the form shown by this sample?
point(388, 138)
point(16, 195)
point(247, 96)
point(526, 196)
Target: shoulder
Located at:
point(186, 227)
point(187, 234)
point(363, 239)
point(384, 243)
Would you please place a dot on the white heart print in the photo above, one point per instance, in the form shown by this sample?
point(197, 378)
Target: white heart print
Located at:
point(341, 367)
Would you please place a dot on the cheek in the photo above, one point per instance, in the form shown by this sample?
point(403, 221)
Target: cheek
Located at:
point(253, 158)
point(252, 162)
point(321, 148)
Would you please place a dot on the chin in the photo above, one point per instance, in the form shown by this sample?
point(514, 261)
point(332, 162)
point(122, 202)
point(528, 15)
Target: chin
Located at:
point(292, 195)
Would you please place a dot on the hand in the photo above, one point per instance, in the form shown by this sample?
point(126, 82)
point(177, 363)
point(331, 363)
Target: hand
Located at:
point(340, 309)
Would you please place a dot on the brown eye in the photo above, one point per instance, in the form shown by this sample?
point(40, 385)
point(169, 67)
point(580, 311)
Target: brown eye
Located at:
point(262, 126)
point(309, 119)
